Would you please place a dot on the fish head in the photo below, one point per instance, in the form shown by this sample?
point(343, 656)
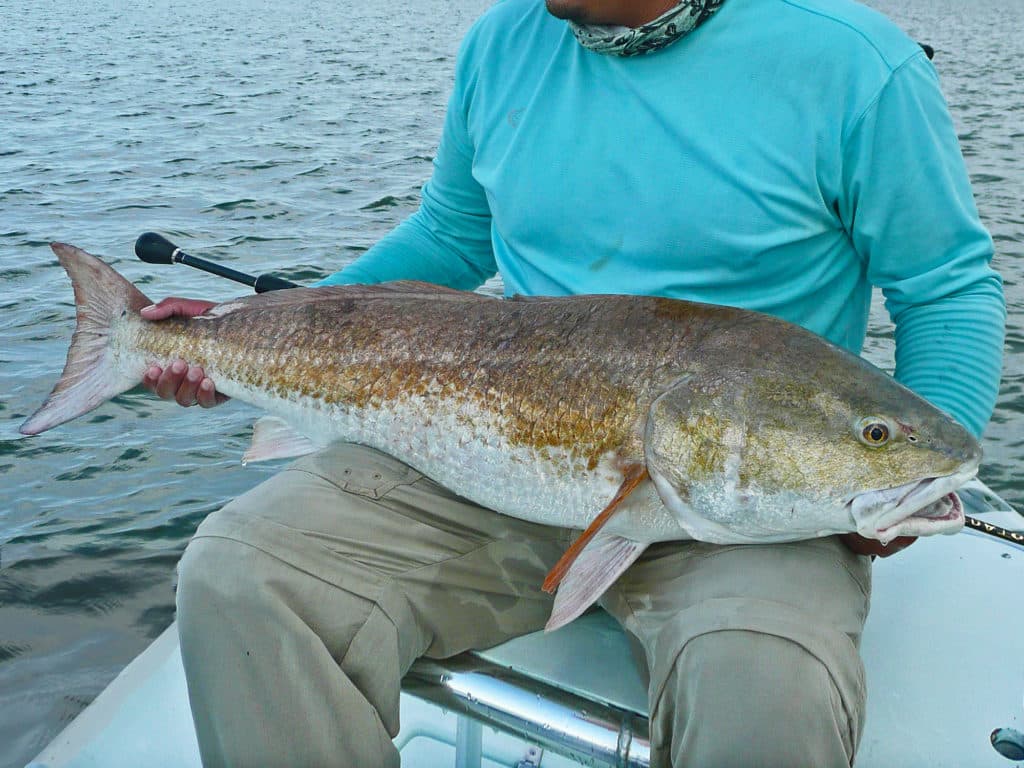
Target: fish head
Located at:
point(752, 456)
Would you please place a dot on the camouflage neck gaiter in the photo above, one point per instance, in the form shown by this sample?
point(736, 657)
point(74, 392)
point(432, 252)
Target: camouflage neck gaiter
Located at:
point(675, 23)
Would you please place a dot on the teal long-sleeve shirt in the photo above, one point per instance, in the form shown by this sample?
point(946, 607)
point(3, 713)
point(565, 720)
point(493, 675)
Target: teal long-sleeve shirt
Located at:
point(785, 157)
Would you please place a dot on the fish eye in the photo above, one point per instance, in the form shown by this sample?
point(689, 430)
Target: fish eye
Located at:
point(873, 432)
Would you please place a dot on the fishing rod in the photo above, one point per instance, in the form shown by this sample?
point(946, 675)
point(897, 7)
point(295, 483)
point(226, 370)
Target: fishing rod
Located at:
point(154, 248)
point(977, 497)
point(1005, 535)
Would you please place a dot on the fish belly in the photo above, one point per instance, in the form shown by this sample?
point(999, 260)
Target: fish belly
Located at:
point(462, 448)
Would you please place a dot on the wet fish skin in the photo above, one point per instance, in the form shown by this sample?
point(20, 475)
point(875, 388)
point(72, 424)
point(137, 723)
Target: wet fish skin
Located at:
point(751, 429)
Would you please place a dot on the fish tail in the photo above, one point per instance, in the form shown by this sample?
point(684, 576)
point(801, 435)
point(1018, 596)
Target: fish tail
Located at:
point(90, 376)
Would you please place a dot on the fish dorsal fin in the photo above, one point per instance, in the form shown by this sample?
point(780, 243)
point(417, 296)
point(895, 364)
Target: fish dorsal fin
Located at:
point(600, 563)
point(634, 474)
point(398, 288)
point(274, 438)
point(402, 289)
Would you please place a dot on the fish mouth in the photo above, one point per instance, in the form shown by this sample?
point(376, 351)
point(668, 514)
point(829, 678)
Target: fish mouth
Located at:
point(920, 508)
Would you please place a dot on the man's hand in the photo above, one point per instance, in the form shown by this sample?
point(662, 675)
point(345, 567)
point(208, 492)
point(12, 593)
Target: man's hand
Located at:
point(186, 384)
point(863, 546)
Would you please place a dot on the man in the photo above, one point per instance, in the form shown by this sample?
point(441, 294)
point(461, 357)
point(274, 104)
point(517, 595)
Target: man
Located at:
point(782, 155)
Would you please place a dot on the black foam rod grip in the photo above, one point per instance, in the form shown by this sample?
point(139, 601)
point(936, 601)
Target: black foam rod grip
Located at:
point(155, 249)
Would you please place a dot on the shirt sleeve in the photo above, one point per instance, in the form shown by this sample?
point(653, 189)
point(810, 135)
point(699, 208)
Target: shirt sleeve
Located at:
point(448, 240)
point(908, 206)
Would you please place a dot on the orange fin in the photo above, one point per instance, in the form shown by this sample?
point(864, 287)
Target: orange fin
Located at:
point(634, 475)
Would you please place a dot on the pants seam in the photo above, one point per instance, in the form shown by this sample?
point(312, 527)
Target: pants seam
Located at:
point(388, 578)
point(281, 560)
point(375, 609)
point(863, 590)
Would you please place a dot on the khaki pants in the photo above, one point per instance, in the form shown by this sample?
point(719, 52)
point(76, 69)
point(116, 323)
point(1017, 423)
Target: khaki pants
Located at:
point(303, 603)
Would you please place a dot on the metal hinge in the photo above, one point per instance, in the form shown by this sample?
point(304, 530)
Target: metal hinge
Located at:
point(531, 759)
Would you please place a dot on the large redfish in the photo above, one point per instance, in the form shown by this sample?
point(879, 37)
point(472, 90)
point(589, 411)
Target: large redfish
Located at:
point(641, 419)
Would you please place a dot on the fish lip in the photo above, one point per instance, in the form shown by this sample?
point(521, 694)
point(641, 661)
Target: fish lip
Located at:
point(897, 510)
point(917, 524)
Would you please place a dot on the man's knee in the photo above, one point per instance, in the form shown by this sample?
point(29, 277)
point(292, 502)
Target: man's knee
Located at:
point(739, 697)
point(213, 576)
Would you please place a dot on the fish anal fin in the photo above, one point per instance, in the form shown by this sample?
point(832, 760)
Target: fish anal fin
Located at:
point(596, 568)
point(634, 474)
point(274, 438)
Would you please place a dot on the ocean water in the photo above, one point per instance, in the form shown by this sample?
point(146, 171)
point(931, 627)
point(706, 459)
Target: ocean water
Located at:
point(271, 139)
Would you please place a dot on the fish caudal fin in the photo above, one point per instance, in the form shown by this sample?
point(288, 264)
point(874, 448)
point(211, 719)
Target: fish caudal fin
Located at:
point(596, 568)
point(90, 376)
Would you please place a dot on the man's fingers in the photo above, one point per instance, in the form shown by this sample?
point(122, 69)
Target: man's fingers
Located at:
point(186, 385)
point(188, 390)
point(151, 376)
point(208, 396)
point(174, 306)
point(169, 382)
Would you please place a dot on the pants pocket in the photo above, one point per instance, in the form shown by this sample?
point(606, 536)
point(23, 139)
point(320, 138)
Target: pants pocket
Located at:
point(358, 469)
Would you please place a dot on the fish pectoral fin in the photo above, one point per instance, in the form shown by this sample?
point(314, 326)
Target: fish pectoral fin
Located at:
point(274, 438)
point(634, 475)
point(596, 568)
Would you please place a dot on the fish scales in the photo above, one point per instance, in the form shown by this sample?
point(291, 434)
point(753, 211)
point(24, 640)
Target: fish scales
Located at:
point(647, 419)
point(536, 371)
point(552, 421)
